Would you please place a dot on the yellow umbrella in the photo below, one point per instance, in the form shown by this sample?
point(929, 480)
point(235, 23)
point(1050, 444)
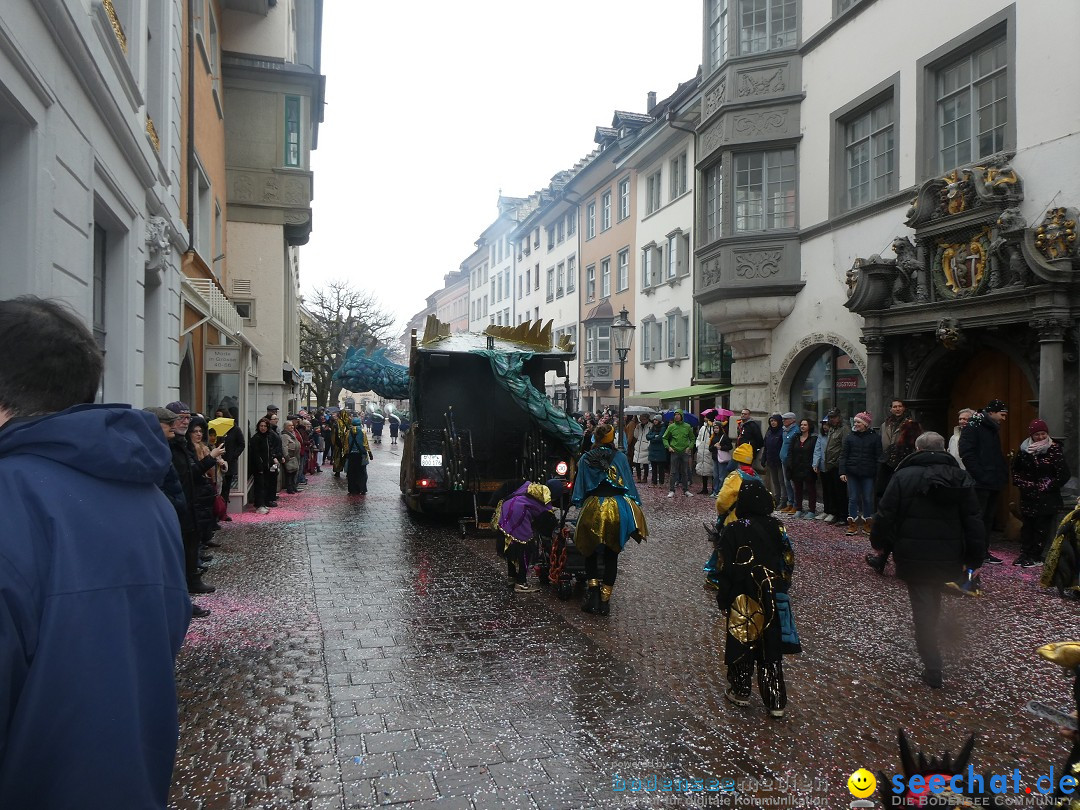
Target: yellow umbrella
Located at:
point(221, 425)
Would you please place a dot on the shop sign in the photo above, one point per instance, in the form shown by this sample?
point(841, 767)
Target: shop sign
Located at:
point(221, 359)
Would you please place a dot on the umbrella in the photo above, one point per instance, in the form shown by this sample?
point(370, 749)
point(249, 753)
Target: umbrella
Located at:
point(221, 425)
point(688, 417)
point(634, 410)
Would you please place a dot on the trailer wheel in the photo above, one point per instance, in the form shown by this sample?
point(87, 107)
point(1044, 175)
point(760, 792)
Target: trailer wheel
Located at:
point(566, 590)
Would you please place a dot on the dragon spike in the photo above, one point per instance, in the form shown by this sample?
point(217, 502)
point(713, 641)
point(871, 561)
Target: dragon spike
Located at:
point(907, 761)
point(527, 333)
point(434, 330)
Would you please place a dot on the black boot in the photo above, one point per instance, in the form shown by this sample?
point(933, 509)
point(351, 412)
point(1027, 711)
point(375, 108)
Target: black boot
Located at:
point(196, 585)
point(592, 596)
point(605, 599)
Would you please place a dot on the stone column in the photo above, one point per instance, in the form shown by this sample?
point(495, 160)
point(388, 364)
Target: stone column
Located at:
point(875, 355)
point(1051, 333)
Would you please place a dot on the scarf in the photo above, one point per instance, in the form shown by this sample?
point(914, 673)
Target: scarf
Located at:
point(1038, 448)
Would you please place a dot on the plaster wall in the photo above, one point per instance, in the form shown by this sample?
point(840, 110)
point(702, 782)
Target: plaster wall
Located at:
point(271, 36)
point(260, 256)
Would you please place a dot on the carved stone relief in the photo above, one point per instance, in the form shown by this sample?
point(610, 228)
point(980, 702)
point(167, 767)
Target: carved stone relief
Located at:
point(759, 124)
point(715, 97)
point(710, 272)
point(713, 139)
point(758, 264)
point(158, 234)
point(242, 188)
point(761, 82)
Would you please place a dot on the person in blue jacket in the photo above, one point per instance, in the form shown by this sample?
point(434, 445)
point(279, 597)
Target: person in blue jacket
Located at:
point(94, 602)
point(791, 430)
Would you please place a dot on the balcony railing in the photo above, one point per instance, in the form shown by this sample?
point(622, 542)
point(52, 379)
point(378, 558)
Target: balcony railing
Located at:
point(216, 304)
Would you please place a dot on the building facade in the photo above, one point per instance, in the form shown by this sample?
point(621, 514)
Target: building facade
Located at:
point(90, 124)
point(918, 245)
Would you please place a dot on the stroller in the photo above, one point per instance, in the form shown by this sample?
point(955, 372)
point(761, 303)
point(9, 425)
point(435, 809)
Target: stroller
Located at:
point(560, 563)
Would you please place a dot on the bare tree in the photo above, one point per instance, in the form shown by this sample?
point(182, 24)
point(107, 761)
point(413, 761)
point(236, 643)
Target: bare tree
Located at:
point(341, 317)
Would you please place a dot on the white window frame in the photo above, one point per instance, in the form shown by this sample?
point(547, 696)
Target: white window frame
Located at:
point(551, 284)
point(605, 277)
point(762, 30)
point(624, 198)
point(652, 192)
point(605, 211)
point(680, 183)
point(590, 220)
point(766, 197)
point(590, 283)
point(967, 148)
point(716, 28)
point(622, 281)
point(870, 150)
point(560, 277)
point(571, 274)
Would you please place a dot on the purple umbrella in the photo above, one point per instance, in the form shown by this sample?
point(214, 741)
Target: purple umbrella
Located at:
point(689, 418)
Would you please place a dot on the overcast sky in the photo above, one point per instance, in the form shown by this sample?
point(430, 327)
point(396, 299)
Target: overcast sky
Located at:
point(433, 107)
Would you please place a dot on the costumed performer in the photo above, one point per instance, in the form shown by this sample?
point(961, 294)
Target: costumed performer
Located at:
point(1062, 568)
point(357, 458)
point(340, 441)
point(523, 515)
point(726, 509)
point(753, 575)
point(609, 513)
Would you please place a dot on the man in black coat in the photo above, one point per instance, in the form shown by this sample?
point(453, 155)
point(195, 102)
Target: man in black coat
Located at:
point(749, 431)
point(980, 450)
point(234, 443)
point(929, 520)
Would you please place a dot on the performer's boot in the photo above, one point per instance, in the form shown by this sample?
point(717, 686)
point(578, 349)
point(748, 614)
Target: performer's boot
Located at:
point(592, 596)
point(605, 599)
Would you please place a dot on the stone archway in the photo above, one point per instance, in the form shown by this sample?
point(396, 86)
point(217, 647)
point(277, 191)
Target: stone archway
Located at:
point(782, 379)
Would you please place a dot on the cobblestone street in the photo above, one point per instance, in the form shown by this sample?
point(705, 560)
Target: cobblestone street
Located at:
point(357, 657)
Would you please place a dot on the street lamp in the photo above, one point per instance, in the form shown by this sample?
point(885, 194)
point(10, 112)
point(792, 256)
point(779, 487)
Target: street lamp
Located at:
point(622, 335)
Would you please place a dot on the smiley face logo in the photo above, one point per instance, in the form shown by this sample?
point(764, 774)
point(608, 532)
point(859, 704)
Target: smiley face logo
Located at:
point(862, 783)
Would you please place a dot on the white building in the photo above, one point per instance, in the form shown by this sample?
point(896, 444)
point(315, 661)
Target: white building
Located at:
point(89, 167)
point(823, 144)
point(663, 156)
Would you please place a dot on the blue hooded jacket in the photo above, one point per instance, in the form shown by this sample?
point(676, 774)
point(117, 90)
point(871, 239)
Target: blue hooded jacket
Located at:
point(93, 610)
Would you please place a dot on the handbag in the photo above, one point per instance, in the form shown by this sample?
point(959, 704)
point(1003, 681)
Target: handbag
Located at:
point(220, 509)
point(789, 636)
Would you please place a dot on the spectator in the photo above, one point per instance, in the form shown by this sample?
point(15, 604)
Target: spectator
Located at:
point(641, 448)
point(749, 432)
point(890, 433)
point(1039, 472)
point(263, 467)
point(290, 453)
point(791, 430)
point(720, 447)
point(980, 450)
point(234, 444)
point(954, 441)
point(679, 441)
point(703, 464)
point(801, 464)
point(834, 491)
point(929, 519)
point(774, 468)
point(658, 454)
point(94, 606)
point(859, 461)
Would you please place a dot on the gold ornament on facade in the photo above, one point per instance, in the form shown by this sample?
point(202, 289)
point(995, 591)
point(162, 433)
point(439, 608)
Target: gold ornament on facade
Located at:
point(1056, 236)
point(963, 264)
point(151, 132)
point(114, 21)
point(955, 199)
point(994, 177)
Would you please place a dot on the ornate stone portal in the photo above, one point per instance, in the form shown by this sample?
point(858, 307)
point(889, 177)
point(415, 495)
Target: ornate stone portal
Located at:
point(972, 264)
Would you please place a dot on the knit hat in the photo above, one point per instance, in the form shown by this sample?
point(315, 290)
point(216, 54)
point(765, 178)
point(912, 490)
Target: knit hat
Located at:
point(178, 407)
point(1037, 425)
point(788, 415)
point(997, 406)
point(604, 434)
point(865, 418)
point(744, 453)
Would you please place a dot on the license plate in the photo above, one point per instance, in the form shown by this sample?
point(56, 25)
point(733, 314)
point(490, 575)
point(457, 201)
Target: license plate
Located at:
point(431, 461)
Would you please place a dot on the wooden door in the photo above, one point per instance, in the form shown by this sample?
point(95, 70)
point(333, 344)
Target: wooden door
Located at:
point(993, 375)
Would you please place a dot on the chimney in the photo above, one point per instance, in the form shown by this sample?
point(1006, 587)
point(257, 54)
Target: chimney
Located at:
point(651, 102)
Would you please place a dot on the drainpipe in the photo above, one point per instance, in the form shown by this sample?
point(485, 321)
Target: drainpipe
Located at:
point(671, 120)
point(191, 125)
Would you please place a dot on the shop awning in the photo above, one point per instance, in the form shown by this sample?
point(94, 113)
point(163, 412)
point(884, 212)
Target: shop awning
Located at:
point(688, 391)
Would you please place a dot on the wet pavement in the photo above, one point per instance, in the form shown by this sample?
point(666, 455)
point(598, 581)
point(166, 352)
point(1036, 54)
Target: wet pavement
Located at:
point(359, 657)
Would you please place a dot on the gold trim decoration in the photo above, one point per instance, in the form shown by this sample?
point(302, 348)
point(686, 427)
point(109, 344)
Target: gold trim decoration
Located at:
point(434, 331)
point(117, 28)
point(746, 619)
point(1056, 236)
point(565, 344)
point(605, 592)
point(536, 334)
point(959, 268)
point(1063, 653)
point(151, 132)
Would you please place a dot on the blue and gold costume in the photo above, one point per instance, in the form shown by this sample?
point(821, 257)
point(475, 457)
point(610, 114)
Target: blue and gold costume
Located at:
point(610, 514)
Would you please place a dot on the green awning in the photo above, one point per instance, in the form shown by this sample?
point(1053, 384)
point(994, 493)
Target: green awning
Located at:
point(689, 391)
